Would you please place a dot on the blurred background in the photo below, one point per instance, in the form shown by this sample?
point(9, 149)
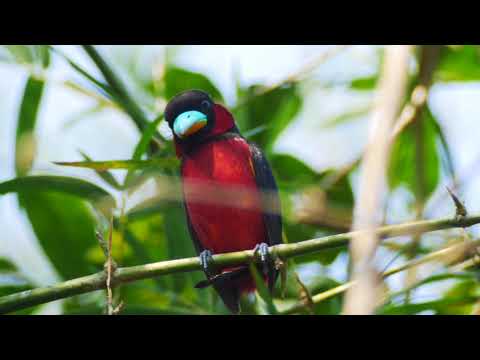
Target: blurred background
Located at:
point(308, 107)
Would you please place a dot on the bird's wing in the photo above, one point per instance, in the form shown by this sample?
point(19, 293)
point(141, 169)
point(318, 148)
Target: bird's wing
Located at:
point(196, 243)
point(271, 202)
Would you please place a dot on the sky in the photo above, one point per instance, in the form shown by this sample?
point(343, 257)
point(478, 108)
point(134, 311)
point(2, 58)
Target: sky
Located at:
point(109, 135)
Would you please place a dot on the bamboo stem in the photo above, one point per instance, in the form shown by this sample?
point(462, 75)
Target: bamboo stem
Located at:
point(97, 281)
point(362, 297)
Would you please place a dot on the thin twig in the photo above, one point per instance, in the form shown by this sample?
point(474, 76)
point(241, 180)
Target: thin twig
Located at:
point(297, 75)
point(109, 271)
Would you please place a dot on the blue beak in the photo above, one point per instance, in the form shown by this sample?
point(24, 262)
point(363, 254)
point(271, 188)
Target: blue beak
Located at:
point(188, 123)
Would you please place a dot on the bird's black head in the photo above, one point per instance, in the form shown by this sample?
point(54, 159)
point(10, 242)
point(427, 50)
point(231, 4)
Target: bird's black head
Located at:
point(190, 115)
point(194, 117)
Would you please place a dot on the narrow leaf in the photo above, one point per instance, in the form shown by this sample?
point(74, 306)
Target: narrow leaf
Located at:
point(274, 109)
point(104, 174)
point(121, 94)
point(85, 74)
point(27, 116)
point(162, 163)
point(60, 184)
point(142, 146)
point(262, 290)
point(178, 80)
point(446, 151)
point(402, 168)
point(65, 228)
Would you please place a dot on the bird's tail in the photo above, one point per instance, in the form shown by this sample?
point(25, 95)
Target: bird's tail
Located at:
point(230, 285)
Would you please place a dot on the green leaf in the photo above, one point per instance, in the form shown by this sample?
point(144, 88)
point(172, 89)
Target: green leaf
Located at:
point(364, 83)
point(274, 109)
point(83, 115)
point(59, 184)
point(64, 227)
point(340, 194)
point(142, 146)
point(262, 290)
point(346, 117)
point(8, 289)
point(43, 53)
point(147, 208)
point(179, 244)
point(435, 305)
point(403, 169)
point(119, 91)
point(467, 289)
point(6, 265)
point(289, 169)
point(330, 306)
point(30, 54)
point(300, 232)
point(169, 239)
point(105, 87)
point(146, 236)
point(104, 174)
point(12, 281)
point(147, 136)
point(316, 284)
point(294, 177)
point(292, 173)
point(434, 278)
point(459, 64)
point(130, 309)
point(142, 253)
point(178, 80)
point(446, 153)
point(162, 163)
point(22, 54)
point(25, 141)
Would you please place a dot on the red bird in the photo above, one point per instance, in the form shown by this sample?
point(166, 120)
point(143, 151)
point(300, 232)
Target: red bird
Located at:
point(224, 177)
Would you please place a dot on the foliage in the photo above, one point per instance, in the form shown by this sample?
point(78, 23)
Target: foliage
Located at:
point(65, 212)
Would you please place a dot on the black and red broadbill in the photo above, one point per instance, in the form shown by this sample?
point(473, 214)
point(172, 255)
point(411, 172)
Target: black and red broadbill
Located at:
point(214, 157)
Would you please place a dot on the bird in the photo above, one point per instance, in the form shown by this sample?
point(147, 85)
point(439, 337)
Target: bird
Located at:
point(230, 196)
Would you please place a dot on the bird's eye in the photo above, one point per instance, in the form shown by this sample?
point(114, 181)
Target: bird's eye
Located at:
point(205, 105)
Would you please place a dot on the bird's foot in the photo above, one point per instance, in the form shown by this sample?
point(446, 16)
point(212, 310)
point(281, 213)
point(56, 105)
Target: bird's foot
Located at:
point(206, 260)
point(264, 255)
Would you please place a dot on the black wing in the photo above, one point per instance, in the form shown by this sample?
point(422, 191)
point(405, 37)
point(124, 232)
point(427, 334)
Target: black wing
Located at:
point(272, 216)
point(271, 202)
point(193, 235)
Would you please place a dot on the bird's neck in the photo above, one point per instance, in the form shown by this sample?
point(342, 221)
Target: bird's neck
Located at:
point(187, 149)
point(224, 127)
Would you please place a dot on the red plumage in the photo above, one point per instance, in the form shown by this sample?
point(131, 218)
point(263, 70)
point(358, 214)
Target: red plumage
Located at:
point(223, 228)
point(219, 227)
point(227, 164)
point(223, 178)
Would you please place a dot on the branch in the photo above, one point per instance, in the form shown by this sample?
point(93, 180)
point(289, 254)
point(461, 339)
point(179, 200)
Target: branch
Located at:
point(97, 281)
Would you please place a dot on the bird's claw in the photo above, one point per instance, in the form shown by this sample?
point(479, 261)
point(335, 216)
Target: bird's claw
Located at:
point(206, 260)
point(262, 250)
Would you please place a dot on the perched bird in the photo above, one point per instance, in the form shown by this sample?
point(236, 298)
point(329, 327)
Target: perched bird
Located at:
point(225, 179)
